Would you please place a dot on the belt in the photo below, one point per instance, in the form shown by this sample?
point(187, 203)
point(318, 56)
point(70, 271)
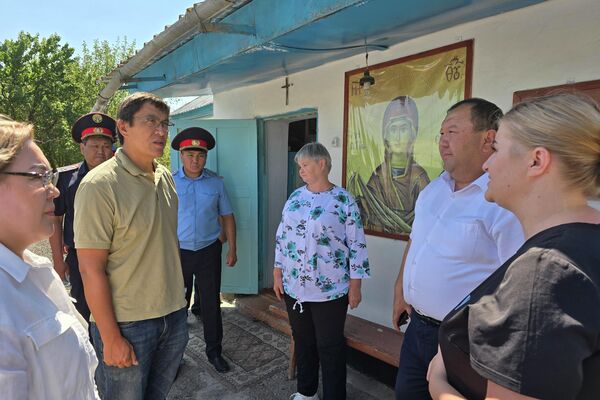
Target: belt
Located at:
point(425, 319)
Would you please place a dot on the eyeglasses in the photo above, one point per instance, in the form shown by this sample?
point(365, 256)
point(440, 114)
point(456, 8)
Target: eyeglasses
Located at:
point(154, 123)
point(48, 177)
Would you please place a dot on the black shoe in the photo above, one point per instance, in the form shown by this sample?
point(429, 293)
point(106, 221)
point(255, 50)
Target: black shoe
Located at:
point(219, 363)
point(196, 312)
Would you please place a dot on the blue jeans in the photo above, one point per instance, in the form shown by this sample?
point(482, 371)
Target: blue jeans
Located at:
point(418, 349)
point(159, 344)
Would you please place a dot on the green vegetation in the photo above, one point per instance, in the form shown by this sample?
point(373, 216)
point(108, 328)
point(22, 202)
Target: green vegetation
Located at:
point(44, 83)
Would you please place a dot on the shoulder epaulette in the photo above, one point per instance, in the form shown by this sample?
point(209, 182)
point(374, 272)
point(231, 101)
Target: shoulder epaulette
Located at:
point(68, 168)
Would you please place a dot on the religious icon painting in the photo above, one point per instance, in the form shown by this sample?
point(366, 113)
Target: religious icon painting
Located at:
point(391, 132)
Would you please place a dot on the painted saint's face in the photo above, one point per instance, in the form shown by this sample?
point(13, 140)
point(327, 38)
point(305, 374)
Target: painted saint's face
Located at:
point(399, 135)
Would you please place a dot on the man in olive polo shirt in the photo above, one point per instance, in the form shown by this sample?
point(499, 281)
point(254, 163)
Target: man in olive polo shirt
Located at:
point(126, 240)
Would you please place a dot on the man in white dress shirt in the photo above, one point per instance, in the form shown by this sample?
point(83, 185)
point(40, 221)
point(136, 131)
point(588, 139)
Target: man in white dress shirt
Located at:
point(458, 239)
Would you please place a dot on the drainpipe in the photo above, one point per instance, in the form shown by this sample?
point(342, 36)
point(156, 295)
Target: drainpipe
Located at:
point(184, 29)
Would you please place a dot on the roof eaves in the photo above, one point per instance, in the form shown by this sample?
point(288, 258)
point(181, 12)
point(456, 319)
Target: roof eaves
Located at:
point(172, 37)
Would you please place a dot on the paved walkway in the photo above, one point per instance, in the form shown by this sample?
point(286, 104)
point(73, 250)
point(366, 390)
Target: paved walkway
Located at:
point(259, 359)
point(258, 356)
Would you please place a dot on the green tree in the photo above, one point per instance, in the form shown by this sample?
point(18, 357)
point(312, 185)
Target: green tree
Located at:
point(35, 87)
point(42, 82)
point(97, 61)
point(165, 159)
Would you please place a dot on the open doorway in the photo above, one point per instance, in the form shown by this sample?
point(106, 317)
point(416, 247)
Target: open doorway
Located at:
point(299, 133)
point(283, 137)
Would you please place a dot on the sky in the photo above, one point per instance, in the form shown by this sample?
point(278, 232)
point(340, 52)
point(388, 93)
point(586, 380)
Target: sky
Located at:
point(86, 20)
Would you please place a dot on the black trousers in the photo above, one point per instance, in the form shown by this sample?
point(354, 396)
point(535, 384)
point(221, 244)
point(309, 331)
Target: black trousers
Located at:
point(319, 337)
point(196, 306)
point(77, 291)
point(205, 265)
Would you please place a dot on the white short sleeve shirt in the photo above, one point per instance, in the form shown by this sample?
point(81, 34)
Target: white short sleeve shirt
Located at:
point(45, 352)
point(458, 240)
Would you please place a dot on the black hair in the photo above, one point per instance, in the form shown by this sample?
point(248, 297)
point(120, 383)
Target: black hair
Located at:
point(485, 115)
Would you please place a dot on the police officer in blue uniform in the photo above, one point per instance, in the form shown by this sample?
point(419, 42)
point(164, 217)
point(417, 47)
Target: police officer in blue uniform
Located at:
point(204, 213)
point(96, 134)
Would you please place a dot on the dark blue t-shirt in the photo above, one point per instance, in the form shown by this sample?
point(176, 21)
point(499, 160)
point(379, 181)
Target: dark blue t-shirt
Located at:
point(534, 325)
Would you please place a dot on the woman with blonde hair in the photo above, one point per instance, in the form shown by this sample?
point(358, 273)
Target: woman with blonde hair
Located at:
point(532, 329)
point(44, 347)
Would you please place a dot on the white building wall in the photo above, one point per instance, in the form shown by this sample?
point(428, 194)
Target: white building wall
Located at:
point(548, 44)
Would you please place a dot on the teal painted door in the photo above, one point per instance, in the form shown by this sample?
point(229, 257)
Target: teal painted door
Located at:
point(235, 159)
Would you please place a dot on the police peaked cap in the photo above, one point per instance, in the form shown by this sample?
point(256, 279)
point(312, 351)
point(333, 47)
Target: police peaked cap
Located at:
point(193, 138)
point(94, 124)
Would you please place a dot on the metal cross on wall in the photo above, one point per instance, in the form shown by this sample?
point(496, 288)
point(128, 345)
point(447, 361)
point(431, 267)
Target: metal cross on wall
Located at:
point(287, 90)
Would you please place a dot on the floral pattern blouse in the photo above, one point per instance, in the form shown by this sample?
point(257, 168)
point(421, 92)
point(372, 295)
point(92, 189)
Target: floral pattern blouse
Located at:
point(320, 244)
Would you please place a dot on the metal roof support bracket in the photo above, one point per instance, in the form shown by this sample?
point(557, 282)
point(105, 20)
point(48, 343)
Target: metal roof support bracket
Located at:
point(160, 78)
point(184, 28)
point(229, 28)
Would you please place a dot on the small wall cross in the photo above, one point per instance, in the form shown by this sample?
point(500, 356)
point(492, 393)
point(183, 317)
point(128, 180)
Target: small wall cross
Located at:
point(287, 90)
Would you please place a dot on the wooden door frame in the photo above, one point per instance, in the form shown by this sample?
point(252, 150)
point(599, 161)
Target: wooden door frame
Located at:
point(265, 271)
point(579, 87)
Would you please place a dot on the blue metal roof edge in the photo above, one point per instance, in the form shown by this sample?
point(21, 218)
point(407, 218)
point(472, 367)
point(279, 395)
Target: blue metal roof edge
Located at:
point(197, 113)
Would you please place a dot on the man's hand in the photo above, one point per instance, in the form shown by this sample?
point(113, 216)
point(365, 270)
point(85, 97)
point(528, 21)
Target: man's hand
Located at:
point(228, 235)
point(61, 268)
point(278, 283)
point(400, 306)
point(354, 294)
point(118, 352)
point(231, 258)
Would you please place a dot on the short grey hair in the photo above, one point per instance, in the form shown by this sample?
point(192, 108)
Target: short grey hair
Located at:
point(315, 151)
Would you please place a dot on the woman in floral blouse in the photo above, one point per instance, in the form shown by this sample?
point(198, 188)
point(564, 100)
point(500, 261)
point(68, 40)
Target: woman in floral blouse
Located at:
point(320, 259)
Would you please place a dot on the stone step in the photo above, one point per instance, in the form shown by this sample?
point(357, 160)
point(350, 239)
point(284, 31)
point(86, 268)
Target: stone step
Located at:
point(377, 341)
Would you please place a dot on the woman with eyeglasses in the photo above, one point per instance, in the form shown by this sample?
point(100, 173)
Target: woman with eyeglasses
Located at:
point(45, 351)
point(532, 329)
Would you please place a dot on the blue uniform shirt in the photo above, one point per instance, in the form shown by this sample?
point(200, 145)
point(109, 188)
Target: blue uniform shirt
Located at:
point(201, 201)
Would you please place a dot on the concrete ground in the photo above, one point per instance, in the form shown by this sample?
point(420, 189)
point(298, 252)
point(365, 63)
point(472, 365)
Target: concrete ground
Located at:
point(258, 356)
point(259, 359)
